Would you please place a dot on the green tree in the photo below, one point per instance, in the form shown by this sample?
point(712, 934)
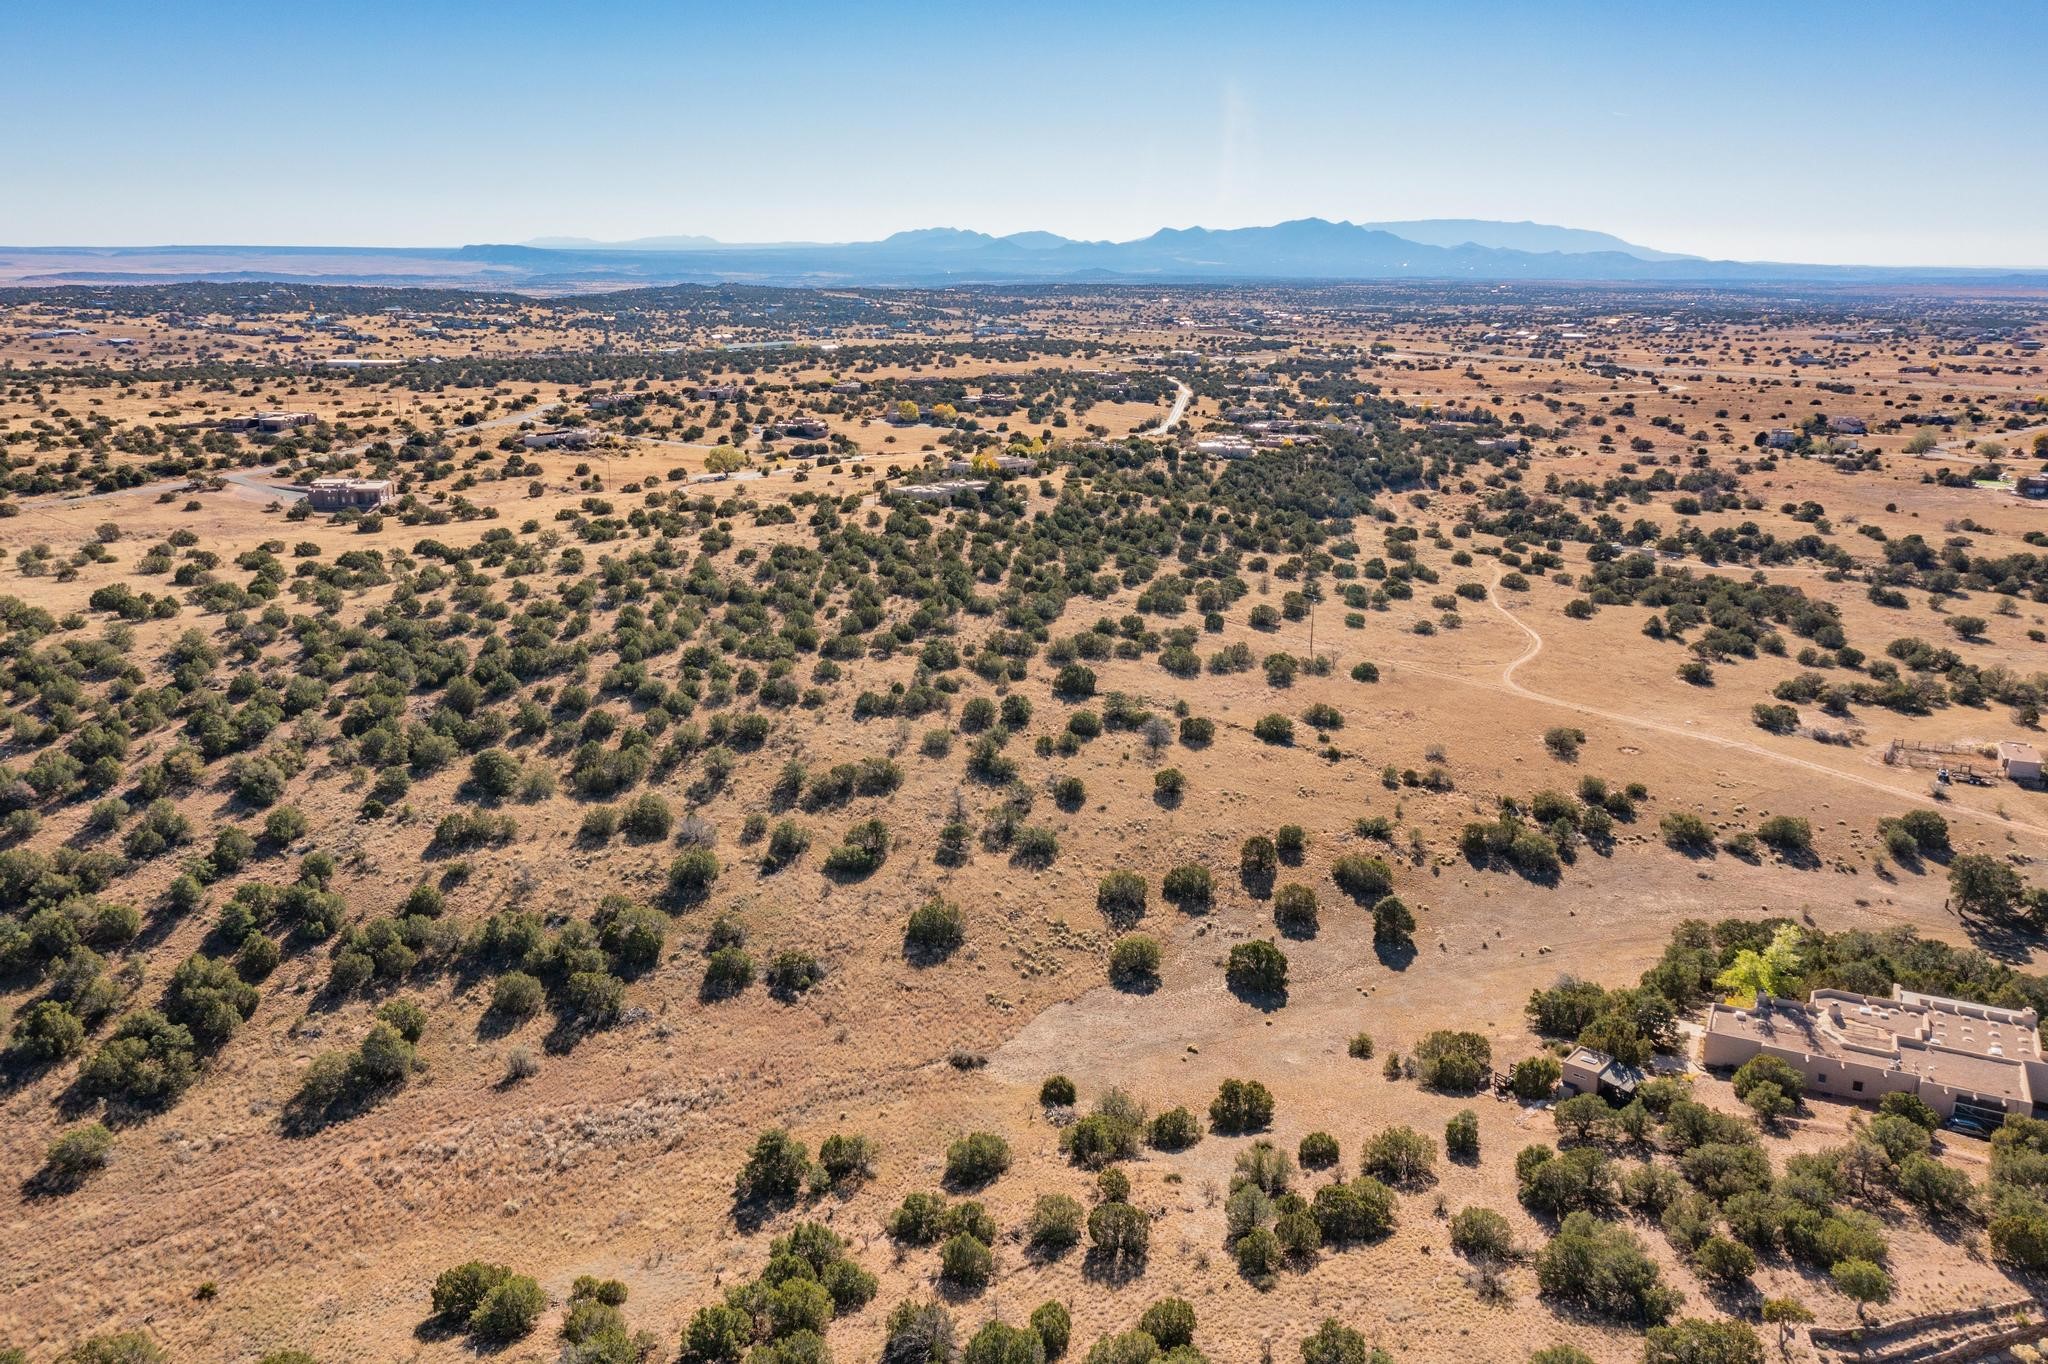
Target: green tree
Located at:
point(1984, 885)
point(1695, 1341)
point(1785, 1313)
point(1863, 1281)
point(1771, 971)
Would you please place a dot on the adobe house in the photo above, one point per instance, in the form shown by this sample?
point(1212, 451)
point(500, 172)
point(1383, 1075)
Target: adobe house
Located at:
point(1971, 1063)
point(349, 494)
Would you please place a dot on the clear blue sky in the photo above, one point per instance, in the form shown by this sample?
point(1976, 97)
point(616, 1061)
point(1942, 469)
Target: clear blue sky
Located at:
point(1868, 132)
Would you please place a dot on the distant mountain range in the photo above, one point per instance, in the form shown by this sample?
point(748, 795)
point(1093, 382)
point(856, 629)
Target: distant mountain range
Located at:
point(1522, 236)
point(1303, 249)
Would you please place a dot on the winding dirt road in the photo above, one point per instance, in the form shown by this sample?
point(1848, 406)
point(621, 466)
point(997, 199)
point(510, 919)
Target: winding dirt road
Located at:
point(1508, 684)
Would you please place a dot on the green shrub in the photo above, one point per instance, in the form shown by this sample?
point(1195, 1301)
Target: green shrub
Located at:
point(919, 1219)
point(1241, 1106)
point(1455, 1062)
point(976, 1159)
point(1361, 1210)
point(48, 1031)
point(1054, 1326)
point(1364, 879)
point(1054, 1224)
point(1121, 896)
point(1170, 1322)
point(1482, 1234)
point(691, 873)
point(1535, 1077)
point(77, 1154)
point(1188, 886)
point(727, 971)
point(509, 1311)
point(1256, 968)
point(1273, 729)
point(1461, 1135)
point(1685, 831)
point(1134, 961)
point(1602, 1268)
point(792, 972)
point(147, 1061)
point(1295, 910)
point(1400, 1155)
point(1695, 1341)
point(776, 1168)
point(1773, 718)
point(999, 1343)
point(863, 849)
point(1318, 1151)
point(1789, 834)
point(1120, 1232)
point(964, 1261)
point(458, 1292)
point(1175, 1130)
point(1393, 923)
point(1335, 1343)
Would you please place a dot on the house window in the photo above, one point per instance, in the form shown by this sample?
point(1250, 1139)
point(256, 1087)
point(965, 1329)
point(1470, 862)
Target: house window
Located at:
point(1856, 1085)
point(1823, 1078)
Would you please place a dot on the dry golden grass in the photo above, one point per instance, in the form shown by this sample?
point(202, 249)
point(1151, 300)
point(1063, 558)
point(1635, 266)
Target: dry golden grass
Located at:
point(617, 1158)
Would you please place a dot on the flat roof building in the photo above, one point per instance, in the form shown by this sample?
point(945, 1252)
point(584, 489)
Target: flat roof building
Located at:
point(2019, 762)
point(943, 492)
point(349, 494)
point(1973, 1062)
point(1589, 1070)
point(268, 421)
point(568, 438)
point(1002, 464)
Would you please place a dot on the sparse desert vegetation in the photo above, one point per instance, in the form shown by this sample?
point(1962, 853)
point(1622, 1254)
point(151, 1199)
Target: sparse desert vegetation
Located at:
point(693, 890)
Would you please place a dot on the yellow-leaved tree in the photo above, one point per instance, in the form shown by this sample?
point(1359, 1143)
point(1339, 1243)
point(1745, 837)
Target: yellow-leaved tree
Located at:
point(1771, 971)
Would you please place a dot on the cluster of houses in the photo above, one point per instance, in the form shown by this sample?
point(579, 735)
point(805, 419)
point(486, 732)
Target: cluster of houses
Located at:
point(1785, 437)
